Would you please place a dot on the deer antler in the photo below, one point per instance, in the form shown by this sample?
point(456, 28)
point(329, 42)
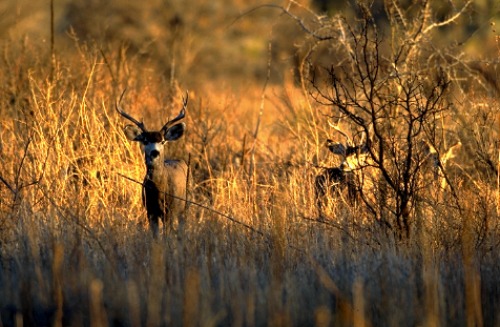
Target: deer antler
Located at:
point(337, 128)
point(124, 114)
point(181, 115)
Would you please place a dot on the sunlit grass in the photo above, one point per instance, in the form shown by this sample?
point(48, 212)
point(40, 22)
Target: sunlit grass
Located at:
point(75, 247)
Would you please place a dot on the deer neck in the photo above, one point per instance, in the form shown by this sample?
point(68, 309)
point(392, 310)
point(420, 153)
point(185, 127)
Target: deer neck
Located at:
point(156, 171)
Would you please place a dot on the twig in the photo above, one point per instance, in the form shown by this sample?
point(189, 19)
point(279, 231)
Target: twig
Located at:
point(287, 12)
point(14, 191)
point(446, 22)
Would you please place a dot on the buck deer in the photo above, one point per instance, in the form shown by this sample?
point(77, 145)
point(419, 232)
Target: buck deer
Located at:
point(164, 186)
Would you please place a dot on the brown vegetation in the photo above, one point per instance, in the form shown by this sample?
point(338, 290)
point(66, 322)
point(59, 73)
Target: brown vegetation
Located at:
point(75, 248)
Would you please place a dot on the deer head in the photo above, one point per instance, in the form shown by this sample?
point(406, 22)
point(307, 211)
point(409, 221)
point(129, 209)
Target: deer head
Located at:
point(153, 141)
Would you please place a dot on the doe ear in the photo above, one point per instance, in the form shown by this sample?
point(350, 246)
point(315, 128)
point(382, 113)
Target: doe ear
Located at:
point(451, 153)
point(336, 148)
point(132, 132)
point(173, 133)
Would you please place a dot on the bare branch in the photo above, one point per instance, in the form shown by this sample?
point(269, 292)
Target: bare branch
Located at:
point(11, 189)
point(446, 22)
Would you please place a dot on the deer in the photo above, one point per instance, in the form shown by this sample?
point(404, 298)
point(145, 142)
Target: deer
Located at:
point(337, 179)
point(165, 184)
point(354, 158)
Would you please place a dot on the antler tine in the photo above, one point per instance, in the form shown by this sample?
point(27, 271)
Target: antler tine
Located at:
point(124, 114)
point(185, 100)
point(181, 114)
point(337, 128)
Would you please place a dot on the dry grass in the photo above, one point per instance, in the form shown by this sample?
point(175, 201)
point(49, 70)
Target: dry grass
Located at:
point(75, 248)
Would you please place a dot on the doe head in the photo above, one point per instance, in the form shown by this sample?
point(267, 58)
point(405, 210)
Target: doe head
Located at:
point(353, 156)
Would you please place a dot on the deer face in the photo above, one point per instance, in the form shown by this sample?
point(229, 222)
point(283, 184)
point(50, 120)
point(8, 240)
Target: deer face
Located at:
point(353, 157)
point(153, 143)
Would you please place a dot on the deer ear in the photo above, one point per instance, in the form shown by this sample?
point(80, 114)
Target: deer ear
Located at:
point(451, 153)
point(133, 133)
point(174, 133)
point(336, 148)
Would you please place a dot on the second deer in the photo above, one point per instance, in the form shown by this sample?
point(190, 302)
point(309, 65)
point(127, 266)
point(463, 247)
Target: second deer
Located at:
point(337, 179)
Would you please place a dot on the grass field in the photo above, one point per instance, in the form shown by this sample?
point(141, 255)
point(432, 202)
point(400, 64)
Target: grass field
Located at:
point(75, 247)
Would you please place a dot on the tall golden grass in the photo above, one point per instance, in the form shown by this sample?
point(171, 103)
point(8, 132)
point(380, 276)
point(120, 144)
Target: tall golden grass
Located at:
point(75, 248)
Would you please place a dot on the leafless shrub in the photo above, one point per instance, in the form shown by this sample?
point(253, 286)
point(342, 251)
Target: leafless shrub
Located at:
point(389, 90)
